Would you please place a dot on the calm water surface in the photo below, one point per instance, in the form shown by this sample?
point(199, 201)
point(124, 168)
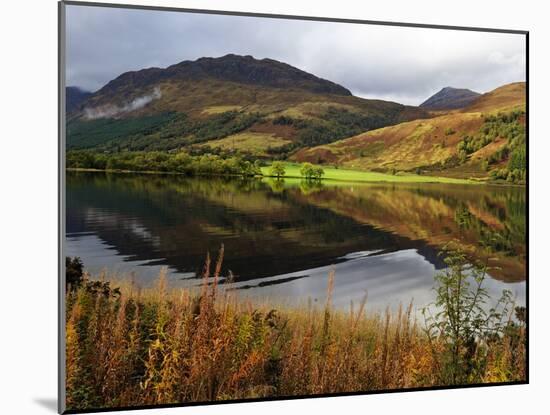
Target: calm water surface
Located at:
point(281, 239)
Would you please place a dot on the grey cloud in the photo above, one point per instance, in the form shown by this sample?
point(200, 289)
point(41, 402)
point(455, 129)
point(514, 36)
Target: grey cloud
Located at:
point(396, 63)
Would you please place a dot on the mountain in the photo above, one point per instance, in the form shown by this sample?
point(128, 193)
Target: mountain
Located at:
point(74, 96)
point(471, 142)
point(234, 68)
point(450, 98)
point(231, 103)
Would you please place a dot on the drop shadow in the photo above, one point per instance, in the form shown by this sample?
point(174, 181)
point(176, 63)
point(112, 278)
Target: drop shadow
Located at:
point(48, 403)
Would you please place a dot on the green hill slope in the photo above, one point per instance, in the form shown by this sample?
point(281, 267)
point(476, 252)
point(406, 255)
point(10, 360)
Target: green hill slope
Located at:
point(486, 139)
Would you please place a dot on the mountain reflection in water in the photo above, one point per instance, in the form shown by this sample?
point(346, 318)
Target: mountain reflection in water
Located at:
point(281, 239)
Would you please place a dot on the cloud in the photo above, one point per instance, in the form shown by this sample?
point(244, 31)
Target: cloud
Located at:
point(396, 63)
point(108, 111)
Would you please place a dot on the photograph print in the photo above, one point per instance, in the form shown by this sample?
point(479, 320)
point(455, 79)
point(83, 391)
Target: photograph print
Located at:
point(270, 207)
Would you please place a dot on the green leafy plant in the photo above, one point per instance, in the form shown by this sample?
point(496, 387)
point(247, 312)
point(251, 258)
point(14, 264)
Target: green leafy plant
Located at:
point(462, 320)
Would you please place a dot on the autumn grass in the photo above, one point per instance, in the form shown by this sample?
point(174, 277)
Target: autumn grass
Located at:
point(249, 142)
point(147, 346)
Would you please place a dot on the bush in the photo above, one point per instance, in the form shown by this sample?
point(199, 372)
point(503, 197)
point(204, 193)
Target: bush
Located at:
point(463, 320)
point(178, 162)
point(283, 120)
point(74, 271)
point(76, 280)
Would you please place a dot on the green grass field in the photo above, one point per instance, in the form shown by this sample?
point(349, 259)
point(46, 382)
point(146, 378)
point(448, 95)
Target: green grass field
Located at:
point(292, 170)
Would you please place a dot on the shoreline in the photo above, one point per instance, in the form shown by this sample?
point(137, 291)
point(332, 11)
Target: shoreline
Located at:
point(378, 177)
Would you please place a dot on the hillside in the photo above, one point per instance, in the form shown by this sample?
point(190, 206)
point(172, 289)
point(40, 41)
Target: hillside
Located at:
point(74, 97)
point(450, 98)
point(211, 103)
point(504, 99)
point(477, 141)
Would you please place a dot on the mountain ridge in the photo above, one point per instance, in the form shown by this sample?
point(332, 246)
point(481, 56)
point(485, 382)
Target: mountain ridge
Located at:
point(230, 67)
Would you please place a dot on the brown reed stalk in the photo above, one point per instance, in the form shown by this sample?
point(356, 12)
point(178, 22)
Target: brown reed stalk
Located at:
point(161, 345)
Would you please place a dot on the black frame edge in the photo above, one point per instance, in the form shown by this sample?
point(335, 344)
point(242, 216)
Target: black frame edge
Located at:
point(292, 17)
point(527, 253)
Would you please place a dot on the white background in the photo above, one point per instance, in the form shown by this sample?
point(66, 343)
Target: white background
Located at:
point(28, 203)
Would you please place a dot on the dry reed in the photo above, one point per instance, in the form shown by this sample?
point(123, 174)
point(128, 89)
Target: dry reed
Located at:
point(162, 345)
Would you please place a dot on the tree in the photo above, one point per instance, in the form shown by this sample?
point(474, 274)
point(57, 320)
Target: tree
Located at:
point(74, 272)
point(277, 169)
point(318, 173)
point(310, 172)
point(258, 167)
point(307, 170)
point(518, 159)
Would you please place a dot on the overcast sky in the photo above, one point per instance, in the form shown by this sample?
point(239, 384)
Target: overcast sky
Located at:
point(400, 64)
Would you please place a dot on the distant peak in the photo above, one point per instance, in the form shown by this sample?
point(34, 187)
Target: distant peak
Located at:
point(450, 98)
point(75, 96)
point(452, 88)
point(77, 90)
